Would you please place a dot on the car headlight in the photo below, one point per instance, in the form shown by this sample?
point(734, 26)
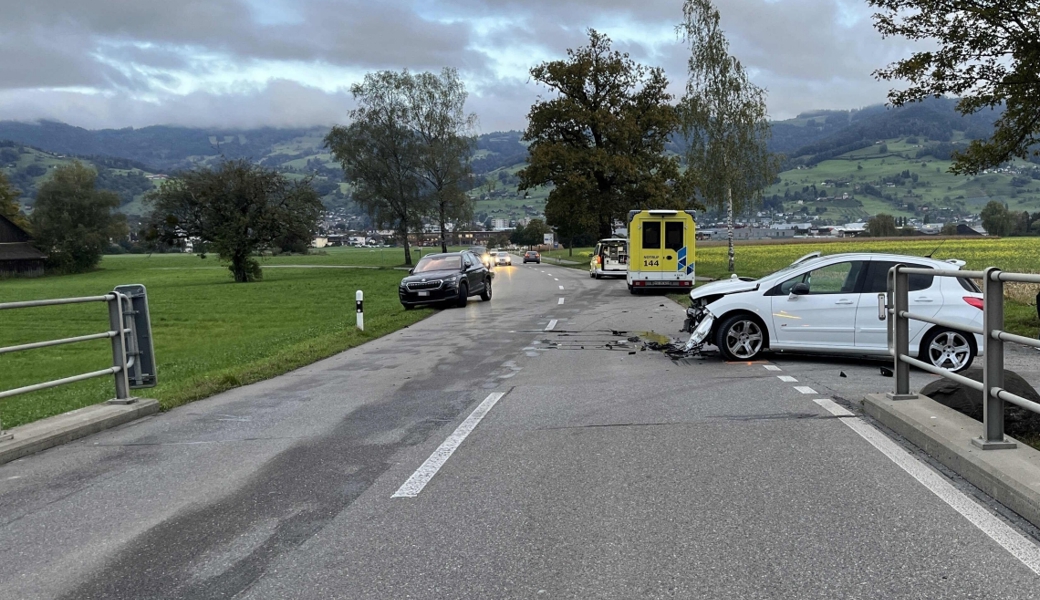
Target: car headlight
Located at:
point(700, 333)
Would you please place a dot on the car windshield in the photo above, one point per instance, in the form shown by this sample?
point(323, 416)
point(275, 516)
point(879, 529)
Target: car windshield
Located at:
point(503, 254)
point(439, 263)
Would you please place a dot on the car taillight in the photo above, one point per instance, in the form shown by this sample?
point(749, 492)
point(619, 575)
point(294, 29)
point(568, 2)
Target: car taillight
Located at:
point(599, 260)
point(976, 302)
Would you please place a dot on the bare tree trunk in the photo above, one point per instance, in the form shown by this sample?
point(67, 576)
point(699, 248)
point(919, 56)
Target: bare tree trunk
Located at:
point(444, 243)
point(403, 232)
point(729, 224)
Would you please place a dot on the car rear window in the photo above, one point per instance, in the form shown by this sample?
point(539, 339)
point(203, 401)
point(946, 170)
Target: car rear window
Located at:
point(877, 277)
point(969, 285)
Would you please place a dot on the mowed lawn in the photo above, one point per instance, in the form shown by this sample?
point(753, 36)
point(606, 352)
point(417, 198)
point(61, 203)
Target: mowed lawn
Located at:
point(210, 334)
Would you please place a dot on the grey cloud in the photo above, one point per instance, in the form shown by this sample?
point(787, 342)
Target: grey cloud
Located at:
point(793, 47)
point(279, 104)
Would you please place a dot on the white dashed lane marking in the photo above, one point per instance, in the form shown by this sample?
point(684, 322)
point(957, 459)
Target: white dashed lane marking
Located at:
point(561, 301)
point(772, 367)
point(551, 325)
point(805, 389)
point(786, 378)
point(428, 469)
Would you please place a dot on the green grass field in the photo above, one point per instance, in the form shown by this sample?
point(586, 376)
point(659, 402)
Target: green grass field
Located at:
point(210, 334)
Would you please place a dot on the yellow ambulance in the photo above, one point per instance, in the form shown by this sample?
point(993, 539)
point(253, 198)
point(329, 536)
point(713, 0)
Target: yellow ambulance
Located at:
point(661, 249)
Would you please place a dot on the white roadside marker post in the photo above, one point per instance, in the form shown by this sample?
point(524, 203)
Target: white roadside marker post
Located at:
point(360, 302)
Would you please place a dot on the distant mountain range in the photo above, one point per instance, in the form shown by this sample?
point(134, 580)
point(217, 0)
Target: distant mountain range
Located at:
point(132, 158)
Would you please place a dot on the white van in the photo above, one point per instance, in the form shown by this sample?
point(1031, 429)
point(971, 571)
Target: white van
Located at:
point(610, 259)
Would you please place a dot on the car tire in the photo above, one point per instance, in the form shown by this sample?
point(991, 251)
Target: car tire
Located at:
point(740, 337)
point(463, 295)
point(596, 275)
point(486, 294)
point(407, 306)
point(592, 275)
point(948, 349)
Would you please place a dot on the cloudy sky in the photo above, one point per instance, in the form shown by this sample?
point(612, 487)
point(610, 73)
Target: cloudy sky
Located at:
point(247, 63)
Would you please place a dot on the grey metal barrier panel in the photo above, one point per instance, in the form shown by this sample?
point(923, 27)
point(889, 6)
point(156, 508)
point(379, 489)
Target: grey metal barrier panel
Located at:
point(143, 373)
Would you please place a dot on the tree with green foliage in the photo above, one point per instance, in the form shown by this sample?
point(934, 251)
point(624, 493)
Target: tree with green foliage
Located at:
point(724, 120)
point(439, 118)
point(600, 141)
point(996, 219)
point(949, 228)
point(987, 56)
point(407, 149)
point(882, 225)
point(237, 210)
point(532, 234)
point(73, 221)
point(9, 204)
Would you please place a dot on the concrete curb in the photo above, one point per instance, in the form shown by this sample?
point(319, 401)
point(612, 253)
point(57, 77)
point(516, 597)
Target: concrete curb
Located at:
point(61, 429)
point(1012, 477)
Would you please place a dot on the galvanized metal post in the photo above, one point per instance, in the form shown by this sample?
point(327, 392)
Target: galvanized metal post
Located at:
point(993, 369)
point(901, 335)
point(359, 300)
point(116, 323)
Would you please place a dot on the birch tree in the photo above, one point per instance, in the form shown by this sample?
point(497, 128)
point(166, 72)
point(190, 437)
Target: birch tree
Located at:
point(724, 120)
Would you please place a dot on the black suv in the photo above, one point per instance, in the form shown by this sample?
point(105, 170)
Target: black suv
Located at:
point(451, 277)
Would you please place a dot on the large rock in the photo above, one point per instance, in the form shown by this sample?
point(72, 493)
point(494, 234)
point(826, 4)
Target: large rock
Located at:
point(1017, 421)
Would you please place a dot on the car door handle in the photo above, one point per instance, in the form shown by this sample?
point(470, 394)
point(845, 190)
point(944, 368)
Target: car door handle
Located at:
point(922, 299)
point(844, 301)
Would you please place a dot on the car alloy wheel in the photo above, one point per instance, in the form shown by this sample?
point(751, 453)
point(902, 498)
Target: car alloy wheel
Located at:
point(486, 294)
point(463, 295)
point(948, 349)
point(740, 338)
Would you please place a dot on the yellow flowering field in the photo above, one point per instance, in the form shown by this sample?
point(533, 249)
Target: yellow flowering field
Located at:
point(1021, 255)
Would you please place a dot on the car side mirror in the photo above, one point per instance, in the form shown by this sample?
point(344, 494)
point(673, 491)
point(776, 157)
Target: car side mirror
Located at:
point(411, 271)
point(800, 289)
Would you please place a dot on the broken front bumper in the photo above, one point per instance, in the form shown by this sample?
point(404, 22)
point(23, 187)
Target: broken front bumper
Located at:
point(698, 322)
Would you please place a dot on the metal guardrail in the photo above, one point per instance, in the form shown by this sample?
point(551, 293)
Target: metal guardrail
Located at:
point(993, 335)
point(133, 356)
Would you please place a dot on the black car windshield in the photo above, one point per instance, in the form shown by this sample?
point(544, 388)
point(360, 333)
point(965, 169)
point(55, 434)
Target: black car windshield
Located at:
point(439, 263)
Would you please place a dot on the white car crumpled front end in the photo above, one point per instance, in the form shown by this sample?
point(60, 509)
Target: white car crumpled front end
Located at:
point(699, 320)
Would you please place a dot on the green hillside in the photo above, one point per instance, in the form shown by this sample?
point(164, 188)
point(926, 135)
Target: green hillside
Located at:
point(840, 166)
point(899, 177)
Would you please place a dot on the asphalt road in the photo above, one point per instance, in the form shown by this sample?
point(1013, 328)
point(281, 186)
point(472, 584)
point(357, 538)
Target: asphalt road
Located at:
point(602, 471)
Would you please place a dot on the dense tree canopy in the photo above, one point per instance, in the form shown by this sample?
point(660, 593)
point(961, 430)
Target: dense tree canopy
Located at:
point(532, 234)
point(9, 203)
point(73, 221)
point(438, 116)
point(988, 55)
point(600, 141)
point(406, 150)
point(237, 210)
point(724, 120)
point(882, 225)
point(996, 219)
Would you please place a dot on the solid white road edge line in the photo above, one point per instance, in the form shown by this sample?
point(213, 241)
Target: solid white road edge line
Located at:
point(805, 389)
point(786, 378)
point(551, 325)
point(561, 301)
point(1000, 532)
point(423, 475)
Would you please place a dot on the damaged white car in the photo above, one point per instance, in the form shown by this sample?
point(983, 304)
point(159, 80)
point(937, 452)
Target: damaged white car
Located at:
point(829, 304)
